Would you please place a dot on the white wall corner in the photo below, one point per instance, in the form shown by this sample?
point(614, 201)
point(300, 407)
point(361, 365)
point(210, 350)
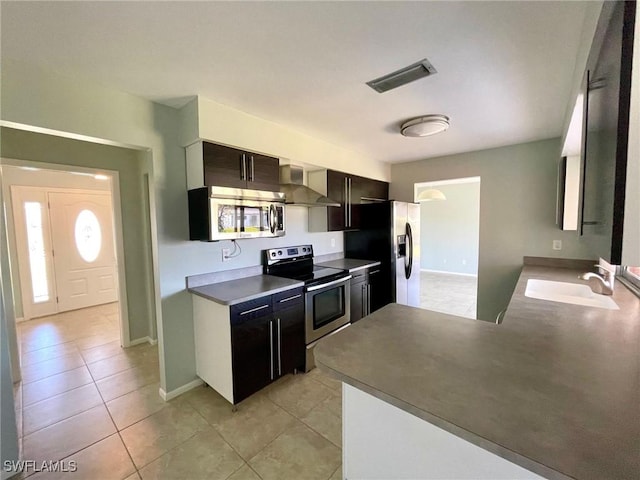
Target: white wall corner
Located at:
point(166, 396)
point(188, 121)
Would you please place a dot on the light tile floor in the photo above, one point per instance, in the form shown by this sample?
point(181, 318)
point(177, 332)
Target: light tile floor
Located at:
point(448, 293)
point(85, 399)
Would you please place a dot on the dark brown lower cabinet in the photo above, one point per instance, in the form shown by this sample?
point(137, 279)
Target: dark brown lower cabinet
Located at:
point(358, 286)
point(367, 292)
point(267, 341)
point(379, 290)
point(290, 332)
point(251, 353)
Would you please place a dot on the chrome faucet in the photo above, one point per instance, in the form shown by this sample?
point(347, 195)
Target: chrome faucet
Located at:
point(602, 284)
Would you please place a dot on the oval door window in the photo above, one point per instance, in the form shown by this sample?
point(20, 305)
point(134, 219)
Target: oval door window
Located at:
point(88, 235)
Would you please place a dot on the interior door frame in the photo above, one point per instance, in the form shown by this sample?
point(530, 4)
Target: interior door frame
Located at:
point(118, 235)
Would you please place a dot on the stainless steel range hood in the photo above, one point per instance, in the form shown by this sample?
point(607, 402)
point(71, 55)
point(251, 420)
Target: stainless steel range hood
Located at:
point(296, 193)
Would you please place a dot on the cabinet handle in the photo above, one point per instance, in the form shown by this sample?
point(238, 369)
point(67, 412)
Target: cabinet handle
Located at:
point(368, 299)
point(253, 310)
point(253, 171)
point(346, 201)
point(364, 300)
point(288, 299)
point(374, 271)
point(243, 167)
point(271, 347)
point(279, 350)
point(349, 202)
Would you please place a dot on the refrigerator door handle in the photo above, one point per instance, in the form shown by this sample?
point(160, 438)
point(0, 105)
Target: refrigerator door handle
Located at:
point(408, 259)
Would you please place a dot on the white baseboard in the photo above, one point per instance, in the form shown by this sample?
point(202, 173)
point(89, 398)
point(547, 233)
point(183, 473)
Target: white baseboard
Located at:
point(166, 396)
point(138, 341)
point(449, 273)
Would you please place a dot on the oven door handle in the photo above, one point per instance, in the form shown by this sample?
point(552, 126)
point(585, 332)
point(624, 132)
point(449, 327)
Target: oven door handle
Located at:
point(324, 285)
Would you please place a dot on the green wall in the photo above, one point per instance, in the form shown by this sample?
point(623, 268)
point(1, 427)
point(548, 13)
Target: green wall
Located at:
point(517, 210)
point(37, 147)
point(37, 99)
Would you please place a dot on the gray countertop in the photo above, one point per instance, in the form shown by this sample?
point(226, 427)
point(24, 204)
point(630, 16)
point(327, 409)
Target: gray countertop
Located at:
point(555, 388)
point(243, 289)
point(350, 264)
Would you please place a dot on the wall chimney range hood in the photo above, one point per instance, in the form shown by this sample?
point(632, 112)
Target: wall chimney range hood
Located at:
point(296, 193)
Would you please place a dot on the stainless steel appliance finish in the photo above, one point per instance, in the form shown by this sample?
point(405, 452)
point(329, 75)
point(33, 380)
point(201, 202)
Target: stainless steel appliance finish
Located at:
point(327, 291)
point(406, 235)
point(297, 193)
point(221, 213)
point(390, 233)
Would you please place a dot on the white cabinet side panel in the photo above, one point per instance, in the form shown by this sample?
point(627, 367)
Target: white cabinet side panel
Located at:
point(572, 194)
point(381, 441)
point(195, 166)
point(212, 330)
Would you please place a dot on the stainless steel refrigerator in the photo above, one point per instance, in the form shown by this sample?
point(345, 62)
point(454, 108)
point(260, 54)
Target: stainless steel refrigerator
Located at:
point(390, 233)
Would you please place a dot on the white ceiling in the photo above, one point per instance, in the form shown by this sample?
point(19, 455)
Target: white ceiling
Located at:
point(504, 68)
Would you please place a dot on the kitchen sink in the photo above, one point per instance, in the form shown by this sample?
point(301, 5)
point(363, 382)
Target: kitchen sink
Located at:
point(564, 292)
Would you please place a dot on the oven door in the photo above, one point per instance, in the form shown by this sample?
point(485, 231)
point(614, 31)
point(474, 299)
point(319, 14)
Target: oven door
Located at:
point(327, 308)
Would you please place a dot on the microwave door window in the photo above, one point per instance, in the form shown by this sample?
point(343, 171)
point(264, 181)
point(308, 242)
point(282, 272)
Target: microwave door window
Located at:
point(229, 217)
point(255, 219)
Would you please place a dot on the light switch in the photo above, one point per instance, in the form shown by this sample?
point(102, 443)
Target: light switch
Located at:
point(557, 244)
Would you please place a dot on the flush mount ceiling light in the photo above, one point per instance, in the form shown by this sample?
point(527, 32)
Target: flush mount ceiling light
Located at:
point(425, 126)
point(430, 195)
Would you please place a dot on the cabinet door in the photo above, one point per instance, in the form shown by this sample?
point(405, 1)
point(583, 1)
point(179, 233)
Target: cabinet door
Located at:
point(337, 190)
point(223, 166)
point(379, 290)
point(358, 298)
point(263, 173)
point(252, 347)
point(374, 191)
point(290, 347)
point(607, 131)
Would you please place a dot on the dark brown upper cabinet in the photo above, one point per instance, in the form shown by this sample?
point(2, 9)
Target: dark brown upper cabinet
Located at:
point(607, 85)
point(350, 191)
point(210, 164)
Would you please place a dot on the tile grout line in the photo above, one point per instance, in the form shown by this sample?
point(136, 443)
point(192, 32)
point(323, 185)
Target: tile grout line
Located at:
point(246, 462)
point(114, 424)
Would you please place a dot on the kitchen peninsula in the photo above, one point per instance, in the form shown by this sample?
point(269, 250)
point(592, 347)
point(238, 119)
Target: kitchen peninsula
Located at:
point(553, 391)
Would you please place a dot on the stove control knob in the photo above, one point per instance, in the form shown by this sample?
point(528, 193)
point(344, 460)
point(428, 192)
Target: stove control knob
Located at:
point(279, 252)
point(273, 254)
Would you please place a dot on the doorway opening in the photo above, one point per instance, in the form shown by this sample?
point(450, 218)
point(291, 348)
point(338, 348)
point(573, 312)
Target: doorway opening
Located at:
point(63, 244)
point(449, 244)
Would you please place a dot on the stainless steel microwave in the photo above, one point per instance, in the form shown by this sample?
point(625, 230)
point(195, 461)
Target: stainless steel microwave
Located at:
point(221, 213)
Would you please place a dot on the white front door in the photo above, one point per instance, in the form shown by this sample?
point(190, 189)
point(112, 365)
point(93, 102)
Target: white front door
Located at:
point(83, 249)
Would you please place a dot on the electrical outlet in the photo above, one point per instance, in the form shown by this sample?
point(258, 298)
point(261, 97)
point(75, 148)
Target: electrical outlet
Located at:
point(464, 261)
point(557, 245)
point(225, 254)
point(333, 242)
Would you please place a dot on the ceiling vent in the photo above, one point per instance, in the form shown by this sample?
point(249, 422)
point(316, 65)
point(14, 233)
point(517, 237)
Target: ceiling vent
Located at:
point(396, 79)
